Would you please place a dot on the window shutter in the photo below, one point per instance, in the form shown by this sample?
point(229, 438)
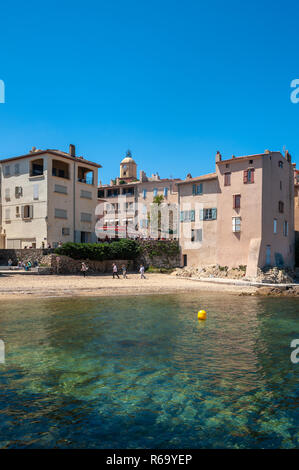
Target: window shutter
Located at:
point(252, 176)
point(31, 212)
point(192, 216)
point(200, 188)
point(245, 176)
point(77, 236)
point(155, 192)
point(182, 216)
point(234, 201)
point(201, 214)
point(165, 192)
point(35, 191)
point(214, 213)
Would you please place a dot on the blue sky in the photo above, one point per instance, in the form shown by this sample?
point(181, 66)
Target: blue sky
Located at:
point(174, 81)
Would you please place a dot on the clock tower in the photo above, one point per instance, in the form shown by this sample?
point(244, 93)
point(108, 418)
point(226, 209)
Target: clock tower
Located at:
point(128, 168)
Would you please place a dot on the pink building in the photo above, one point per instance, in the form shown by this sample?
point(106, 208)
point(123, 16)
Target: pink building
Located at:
point(243, 214)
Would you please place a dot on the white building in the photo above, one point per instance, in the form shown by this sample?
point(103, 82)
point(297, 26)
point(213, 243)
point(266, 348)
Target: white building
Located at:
point(47, 197)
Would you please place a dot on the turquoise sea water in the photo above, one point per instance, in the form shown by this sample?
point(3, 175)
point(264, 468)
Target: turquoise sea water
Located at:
point(142, 372)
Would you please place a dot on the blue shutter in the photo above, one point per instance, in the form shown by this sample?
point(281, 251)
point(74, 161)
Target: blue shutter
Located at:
point(182, 216)
point(193, 189)
point(155, 192)
point(214, 214)
point(77, 236)
point(199, 189)
point(165, 192)
point(201, 214)
point(192, 216)
point(144, 193)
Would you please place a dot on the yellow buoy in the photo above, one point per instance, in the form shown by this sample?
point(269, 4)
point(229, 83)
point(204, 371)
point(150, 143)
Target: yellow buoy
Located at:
point(202, 315)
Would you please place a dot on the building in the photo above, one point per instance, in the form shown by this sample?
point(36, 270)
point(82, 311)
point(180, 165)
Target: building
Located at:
point(47, 197)
point(296, 200)
point(243, 214)
point(127, 207)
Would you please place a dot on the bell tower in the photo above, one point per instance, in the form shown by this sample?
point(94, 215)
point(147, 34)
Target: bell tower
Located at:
point(128, 168)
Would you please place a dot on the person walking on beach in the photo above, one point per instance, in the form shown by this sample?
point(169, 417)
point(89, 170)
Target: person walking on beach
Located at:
point(124, 270)
point(141, 270)
point(84, 269)
point(114, 270)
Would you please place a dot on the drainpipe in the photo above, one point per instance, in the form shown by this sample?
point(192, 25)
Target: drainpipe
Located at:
point(74, 202)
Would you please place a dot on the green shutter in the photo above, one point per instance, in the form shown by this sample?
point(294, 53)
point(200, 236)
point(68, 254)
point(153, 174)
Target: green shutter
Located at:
point(192, 216)
point(201, 214)
point(199, 189)
point(194, 189)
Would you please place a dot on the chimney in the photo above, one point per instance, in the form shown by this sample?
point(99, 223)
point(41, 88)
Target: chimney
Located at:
point(72, 150)
point(287, 156)
point(218, 157)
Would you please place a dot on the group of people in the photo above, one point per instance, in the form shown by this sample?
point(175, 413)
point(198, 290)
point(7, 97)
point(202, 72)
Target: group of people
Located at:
point(124, 271)
point(23, 265)
point(84, 269)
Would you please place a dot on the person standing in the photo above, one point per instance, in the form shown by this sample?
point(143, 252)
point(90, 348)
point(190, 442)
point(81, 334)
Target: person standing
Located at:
point(84, 269)
point(115, 271)
point(124, 270)
point(141, 270)
point(9, 263)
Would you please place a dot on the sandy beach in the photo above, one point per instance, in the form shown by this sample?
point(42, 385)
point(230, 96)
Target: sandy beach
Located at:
point(23, 285)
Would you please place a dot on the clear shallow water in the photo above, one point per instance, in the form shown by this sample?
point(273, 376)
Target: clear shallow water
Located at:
point(142, 372)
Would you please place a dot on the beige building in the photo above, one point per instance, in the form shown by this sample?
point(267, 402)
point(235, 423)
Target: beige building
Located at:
point(127, 204)
point(296, 201)
point(243, 214)
point(47, 197)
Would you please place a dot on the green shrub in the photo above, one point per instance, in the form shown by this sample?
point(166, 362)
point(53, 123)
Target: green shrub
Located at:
point(122, 249)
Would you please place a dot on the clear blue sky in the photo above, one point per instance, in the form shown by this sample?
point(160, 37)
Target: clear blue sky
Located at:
point(174, 81)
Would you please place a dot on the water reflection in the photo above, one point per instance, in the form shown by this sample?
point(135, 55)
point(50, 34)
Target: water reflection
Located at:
point(142, 372)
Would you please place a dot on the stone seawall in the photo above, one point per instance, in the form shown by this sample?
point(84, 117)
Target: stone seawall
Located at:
point(160, 253)
point(25, 255)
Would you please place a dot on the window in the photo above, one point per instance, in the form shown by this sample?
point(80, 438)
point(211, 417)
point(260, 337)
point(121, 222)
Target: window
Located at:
point(236, 201)
point(7, 194)
point(280, 207)
point(65, 231)
point(27, 212)
point(143, 223)
point(227, 177)
point(280, 164)
point(275, 226)
point(17, 211)
point(85, 175)
point(280, 185)
point(35, 192)
point(187, 216)
point(85, 217)
point(86, 194)
point(165, 192)
point(17, 169)
point(101, 193)
point(197, 189)
point(196, 235)
point(208, 214)
point(7, 170)
point(18, 191)
point(248, 176)
point(7, 214)
point(144, 194)
point(155, 192)
point(60, 213)
point(58, 188)
point(285, 228)
point(60, 169)
point(37, 167)
point(236, 224)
